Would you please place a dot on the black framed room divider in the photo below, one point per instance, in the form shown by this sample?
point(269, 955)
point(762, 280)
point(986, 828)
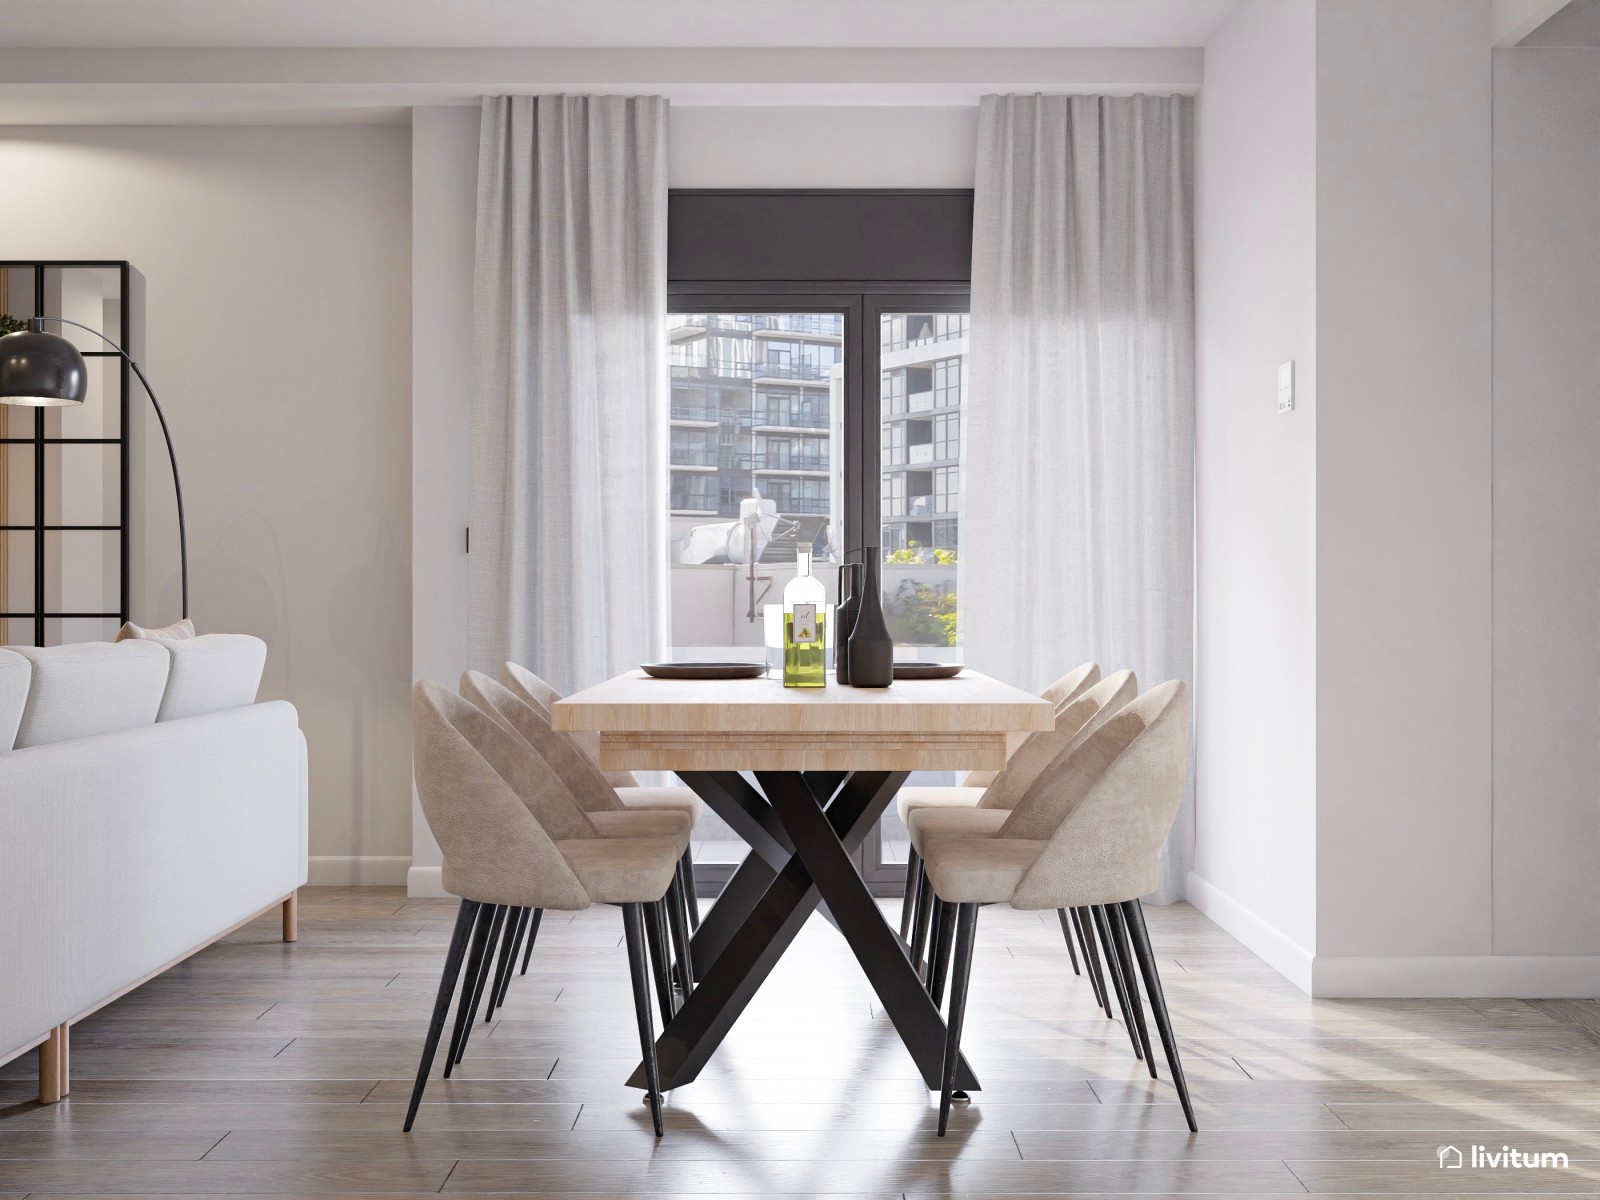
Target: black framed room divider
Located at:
point(46, 524)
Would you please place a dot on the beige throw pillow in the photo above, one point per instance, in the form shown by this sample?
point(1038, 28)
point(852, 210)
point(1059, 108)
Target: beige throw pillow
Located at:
point(178, 631)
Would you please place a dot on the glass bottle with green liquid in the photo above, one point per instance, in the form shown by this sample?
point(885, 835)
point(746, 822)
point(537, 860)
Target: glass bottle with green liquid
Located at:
point(805, 603)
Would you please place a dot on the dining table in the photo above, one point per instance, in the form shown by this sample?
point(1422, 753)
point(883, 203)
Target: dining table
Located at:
point(803, 775)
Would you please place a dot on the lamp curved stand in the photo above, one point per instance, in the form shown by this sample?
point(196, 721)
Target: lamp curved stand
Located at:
point(37, 324)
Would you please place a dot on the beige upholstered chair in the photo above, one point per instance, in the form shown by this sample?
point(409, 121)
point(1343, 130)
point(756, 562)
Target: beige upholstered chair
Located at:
point(1064, 690)
point(1041, 754)
point(557, 765)
point(1087, 836)
point(1089, 707)
point(625, 790)
point(520, 846)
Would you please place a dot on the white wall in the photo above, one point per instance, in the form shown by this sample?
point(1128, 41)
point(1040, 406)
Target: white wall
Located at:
point(278, 334)
point(1547, 506)
point(444, 165)
point(1456, 570)
point(1403, 330)
point(1256, 671)
point(827, 147)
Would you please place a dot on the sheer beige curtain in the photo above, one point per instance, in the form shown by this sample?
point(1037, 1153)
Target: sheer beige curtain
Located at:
point(1077, 526)
point(569, 563)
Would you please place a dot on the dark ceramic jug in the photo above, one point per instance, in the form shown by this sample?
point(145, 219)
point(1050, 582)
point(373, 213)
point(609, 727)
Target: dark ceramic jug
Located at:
point(871, 648)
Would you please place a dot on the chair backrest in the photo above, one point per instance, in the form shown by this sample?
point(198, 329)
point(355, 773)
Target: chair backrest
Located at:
point(495, 851)
point(1060, 693)
point(576, 769)
point(1074, 722)
point(529, 686)
point(530, 689)
point(1112, 803)
point(1073, 684)
point(537, 781)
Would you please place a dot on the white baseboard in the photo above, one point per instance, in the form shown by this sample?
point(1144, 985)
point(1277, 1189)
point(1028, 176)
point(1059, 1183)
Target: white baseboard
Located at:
point(356, 870)
point(426, 883)
point(1281, 952)
point(1525, 977)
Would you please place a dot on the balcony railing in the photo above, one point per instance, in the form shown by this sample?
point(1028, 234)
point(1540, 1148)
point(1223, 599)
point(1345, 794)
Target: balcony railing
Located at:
point(790, 418)
point(821, 323)
point(792, 462)
point(693, 412)
point(717, 368)
point(802, 505)
point(693, 456)
point(701, 501)
point(791, 370)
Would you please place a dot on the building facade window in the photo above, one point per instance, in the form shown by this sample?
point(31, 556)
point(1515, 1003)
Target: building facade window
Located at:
point(948, 374)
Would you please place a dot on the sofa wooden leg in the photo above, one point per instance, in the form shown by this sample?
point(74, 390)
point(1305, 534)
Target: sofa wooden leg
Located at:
point(291, 917)
point(52, 1064)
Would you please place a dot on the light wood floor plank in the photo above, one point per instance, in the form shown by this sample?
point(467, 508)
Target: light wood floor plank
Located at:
point(259, 1069)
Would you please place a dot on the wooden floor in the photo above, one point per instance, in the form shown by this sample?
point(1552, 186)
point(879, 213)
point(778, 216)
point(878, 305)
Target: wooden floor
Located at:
point(272, 1069)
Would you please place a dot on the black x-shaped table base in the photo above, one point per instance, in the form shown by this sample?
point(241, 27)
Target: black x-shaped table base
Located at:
point(802, 834)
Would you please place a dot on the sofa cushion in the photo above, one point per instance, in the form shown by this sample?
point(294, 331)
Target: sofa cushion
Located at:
point(15, 672)
point(88, 688)
point(211, 673)
point(178, 629)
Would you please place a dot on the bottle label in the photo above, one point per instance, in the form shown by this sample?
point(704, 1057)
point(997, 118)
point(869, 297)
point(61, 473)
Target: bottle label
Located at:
point(805, 624)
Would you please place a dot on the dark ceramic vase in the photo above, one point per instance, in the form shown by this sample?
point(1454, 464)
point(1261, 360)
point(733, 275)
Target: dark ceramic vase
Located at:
point(844, 619)
point(871, 648)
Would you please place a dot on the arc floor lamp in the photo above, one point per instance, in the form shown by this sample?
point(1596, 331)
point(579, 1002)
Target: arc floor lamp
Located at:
point(44, 370)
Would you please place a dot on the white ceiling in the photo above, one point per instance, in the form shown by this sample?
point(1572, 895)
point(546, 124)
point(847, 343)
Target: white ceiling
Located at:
point(125, 24)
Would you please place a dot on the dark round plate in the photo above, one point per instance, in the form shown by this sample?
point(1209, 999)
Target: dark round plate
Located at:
point(921, 670)
point(705, 670)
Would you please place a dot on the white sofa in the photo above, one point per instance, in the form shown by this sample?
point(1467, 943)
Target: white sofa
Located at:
point(148, 806)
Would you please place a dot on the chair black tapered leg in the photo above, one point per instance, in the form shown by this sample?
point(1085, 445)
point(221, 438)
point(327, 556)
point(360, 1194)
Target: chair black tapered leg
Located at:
point(483, 934)
point(1133, 914)
point(1066, 932)
point(1102, 927)
point(465, 917)
point(502, 970)
point(908, 900)
point(935, 914)
point(634, 934)
point(1091, 958)
point(961, 976)
point(939, 965)
point(1130, 976)
point(656, 931)
point(678, 919)
point(533, 932)
point(690, 896)
point(519, 931)
point(921, 921)
point(481, 982)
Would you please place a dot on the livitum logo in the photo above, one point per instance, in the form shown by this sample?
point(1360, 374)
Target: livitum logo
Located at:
point(1505, 1158)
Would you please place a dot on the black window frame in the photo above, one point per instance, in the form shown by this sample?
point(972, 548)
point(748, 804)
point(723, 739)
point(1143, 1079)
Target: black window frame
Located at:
point(766, 283)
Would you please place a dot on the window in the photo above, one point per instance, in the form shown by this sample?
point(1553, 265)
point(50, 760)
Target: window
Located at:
point(947, 374)
point(894, 392)
point(923, 363)
point(798, 369)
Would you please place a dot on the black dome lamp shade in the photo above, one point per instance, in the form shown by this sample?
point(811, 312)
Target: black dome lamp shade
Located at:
point(43, 370)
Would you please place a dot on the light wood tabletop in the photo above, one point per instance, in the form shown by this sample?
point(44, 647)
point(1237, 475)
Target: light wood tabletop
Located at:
point(758, 724)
